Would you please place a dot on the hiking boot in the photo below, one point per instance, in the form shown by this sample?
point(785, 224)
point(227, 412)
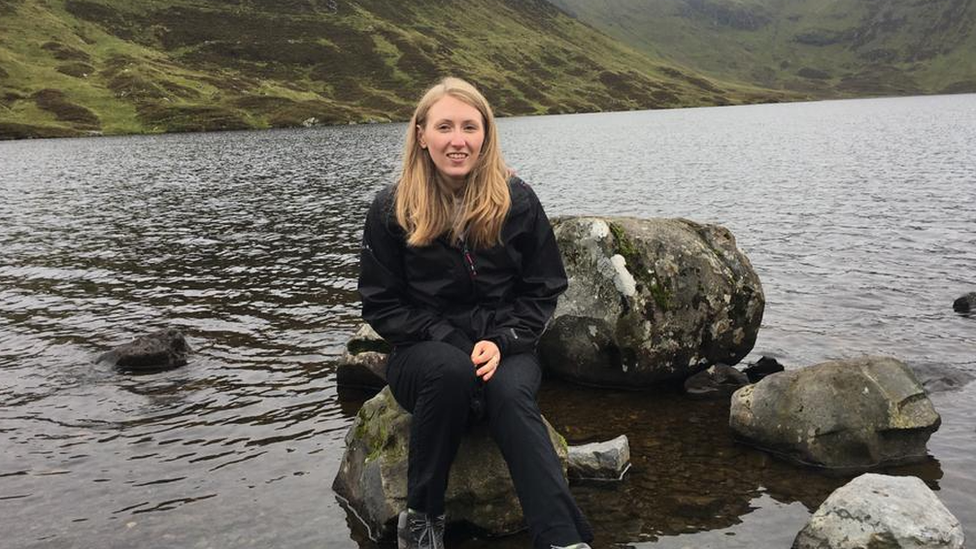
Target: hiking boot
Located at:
point(416, 530)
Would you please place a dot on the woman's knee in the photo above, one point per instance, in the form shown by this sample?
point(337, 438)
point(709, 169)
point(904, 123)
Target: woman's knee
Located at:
point(449, 368)
point(509, 397)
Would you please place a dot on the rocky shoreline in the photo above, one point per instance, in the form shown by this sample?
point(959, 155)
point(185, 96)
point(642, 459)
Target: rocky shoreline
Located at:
point(658, 300)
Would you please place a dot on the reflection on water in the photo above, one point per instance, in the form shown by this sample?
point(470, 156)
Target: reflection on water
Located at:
point(858, 216)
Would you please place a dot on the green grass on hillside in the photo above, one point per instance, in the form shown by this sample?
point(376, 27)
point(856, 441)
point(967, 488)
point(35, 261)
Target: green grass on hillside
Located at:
point(83, 67)
point(822, 48)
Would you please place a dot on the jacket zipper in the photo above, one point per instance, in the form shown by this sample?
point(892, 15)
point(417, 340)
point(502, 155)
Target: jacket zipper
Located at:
point(469, 263)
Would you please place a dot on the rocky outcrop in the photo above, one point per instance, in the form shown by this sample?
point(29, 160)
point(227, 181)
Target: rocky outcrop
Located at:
point(649, 300)
point(965, 304)
point(372, 477)
point(884, 512)
point(607, 460)
point(160, 350)
point(720, 380)
point(851, 414)
point(363, 364)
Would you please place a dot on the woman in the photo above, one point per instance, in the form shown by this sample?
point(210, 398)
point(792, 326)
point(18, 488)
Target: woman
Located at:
point(460, 273)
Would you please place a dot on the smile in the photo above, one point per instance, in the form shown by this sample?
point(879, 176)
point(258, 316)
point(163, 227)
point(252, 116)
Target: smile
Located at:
point(457, 156)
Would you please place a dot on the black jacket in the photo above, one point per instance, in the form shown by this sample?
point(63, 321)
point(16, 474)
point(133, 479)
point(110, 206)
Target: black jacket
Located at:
point(505, 294)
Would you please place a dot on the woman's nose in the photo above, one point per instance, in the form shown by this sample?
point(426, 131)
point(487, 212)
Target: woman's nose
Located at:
point(457, 139)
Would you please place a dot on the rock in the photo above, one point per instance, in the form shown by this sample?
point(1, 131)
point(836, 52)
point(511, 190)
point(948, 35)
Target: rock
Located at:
point(851, 414)
point(607, 460)
point(763, 367)
point(366, 339)
point(160, 350)
point(649, 300)
point(372, 477)
point(938, 378)
point(717, 381)
point(363, 365)
point(965, 304)
point(882, 512)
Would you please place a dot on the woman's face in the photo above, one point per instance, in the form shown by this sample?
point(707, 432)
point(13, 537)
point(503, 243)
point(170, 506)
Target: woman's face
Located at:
point(453, 137)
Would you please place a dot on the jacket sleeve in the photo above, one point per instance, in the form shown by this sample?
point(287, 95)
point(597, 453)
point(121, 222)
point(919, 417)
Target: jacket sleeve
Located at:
point(383, 288)
point(517, 328)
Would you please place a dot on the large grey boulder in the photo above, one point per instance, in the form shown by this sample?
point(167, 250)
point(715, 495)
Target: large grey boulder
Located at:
point(372, 477)
point(159, 350)
point(363, 364)
point(649, 300)
point(881, 512)
point(848, 414)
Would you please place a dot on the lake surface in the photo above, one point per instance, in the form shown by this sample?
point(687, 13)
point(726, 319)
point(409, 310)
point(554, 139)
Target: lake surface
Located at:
point(859, 216)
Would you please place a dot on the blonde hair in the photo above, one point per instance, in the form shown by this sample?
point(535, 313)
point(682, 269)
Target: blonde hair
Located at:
point(424, 208)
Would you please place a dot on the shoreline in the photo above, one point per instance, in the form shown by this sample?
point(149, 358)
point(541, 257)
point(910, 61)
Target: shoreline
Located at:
point(58, 132)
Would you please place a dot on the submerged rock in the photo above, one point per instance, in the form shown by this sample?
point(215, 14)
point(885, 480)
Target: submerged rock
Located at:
point(965, 304)
point(883, 512)
point(372, 477)
point(363, 365)
point(850, 414)
point(763, 367)
point(938, 378)
point(160, 350)
point(717, 381)
point(607, 460)
point(649, 300)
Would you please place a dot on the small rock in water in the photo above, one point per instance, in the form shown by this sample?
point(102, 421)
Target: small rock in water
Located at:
point(965, 304)
point(160, 350)
point(607, 460)
point(363, 365)
point(940, 378)
point(884, 512)
point(717, 381)
point(763, 367)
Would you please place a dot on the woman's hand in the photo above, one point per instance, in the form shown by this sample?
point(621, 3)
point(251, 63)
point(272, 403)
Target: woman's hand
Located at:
point(486, 358)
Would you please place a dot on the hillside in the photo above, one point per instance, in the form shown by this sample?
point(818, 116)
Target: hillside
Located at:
point(823, 48)
point(82, 67)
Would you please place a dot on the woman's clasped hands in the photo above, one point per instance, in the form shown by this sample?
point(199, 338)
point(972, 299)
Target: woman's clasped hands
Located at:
point(486, 358)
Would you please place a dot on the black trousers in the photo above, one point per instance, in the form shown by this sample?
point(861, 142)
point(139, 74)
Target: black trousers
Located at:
point(436, 382)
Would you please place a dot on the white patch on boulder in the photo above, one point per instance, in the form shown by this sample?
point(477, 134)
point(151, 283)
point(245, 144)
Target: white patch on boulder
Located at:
point(599, 229)
point(623, 280)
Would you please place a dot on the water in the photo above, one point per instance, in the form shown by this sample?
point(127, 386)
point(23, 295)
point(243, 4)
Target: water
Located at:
point(859, 216)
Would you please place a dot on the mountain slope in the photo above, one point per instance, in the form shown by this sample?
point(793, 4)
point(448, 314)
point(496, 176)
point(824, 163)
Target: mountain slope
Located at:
point(74, 67)
point(824, 48)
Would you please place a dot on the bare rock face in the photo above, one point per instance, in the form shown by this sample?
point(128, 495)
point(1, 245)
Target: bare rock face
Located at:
point(363, 365)
point(849, 414)
point(883, 512)
point(372, 477)
point(160, 350)
point(649, 300)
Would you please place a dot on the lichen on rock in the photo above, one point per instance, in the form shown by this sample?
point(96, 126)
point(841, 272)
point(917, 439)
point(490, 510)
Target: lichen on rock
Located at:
point(649, 300)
